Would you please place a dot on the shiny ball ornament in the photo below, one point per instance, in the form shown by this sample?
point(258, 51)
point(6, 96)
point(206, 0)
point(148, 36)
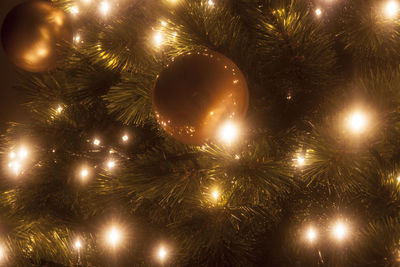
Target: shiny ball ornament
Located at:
point(30, 34)
point(198, 92)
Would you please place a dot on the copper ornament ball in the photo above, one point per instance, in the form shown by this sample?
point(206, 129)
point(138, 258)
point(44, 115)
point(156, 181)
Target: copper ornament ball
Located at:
point(196, 93)
point(30, 34)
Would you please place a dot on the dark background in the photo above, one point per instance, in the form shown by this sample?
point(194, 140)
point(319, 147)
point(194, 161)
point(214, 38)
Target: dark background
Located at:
point(10, 99)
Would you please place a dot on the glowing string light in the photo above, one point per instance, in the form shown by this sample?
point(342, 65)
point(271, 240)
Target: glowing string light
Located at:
point(59, 109)
point(104, 7)
point(357, 122)
point(74, 10)
point(391, 9)
point(125, 138)
point(318, 12)
point(84, 173)
point(96, 142)
point(158, 39)
point(215, 194)
point(300, 160)
point(210, 3)
point(113, 236)
point(340, 231)
point(110, 164)
point(229, 132)
point(311, 234)
point(162, 253)
point(77, 244)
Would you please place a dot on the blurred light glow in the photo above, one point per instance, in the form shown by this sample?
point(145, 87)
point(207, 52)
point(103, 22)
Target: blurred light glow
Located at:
point(104, 7)
point(340, 231)
point(110, 164)
point(210, 3)
point(391, 8)
point(2, 253)
point(162, 253)
point(15, 167)
point(113, 236)
point(12, 154)
point(398, 179)
point(158, 39)
point(77, 244)
point(87, 1)
point(318, 12)
point(357, 122)
point(74, 10)
point(229, 132)
point(96, 142)
point(59, 109)
point(84, 173)
point(22, 153)
point(215, 194)
point(300, 160)
point(77, 38)
point(125, 138)
point(311, 234)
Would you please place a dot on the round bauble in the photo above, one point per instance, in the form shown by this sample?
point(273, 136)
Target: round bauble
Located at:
point(196, 93)
point(30, 34)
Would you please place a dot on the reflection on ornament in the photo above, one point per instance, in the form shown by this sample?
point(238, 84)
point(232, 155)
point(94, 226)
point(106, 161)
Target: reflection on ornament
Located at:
point(31, 32)
point(196, 93)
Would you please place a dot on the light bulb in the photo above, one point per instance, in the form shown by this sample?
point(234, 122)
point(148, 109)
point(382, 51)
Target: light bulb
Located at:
point(125, 138)
point(113, 236)
point(340, 231)
point(59, 109)
point(210, 3)
point(74, 10)
point(104, 7)
point(15, 167)
point(318, 12)
point(22, 153)
point(77, 38)
point(357, 122)
point(78, 244)
point(391, 8)
point(162, 253)
point(311, 234)
point(158, 39)
point(398, 179)
point(215, 194)
point(84, 173)
point(12, 154)
point(110, 164)
point(300, 160)
point(96, 142)
point(228, 132)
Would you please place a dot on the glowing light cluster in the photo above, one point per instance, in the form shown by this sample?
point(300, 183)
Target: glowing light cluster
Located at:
point(339, 231)
point(229, 132)
point(300, 160)
point(215, 194)
point(113, 236)
point(17, 160)
point(84, 173)
point(318, 12)
point(391, 9)
point(110, 164)
point(311, 234)
point(357, 122)
point(104, 8)
point(96, 142)
point(78, 244)
point(162, 253)
point(158, 39)
point(74, 10)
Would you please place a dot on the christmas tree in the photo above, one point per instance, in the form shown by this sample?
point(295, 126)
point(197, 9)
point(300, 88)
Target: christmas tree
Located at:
point(310, 176)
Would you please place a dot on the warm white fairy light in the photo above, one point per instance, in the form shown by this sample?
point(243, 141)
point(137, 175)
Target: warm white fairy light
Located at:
point(339, 231)
point(77, 38)
point(15, 167)
point(163, 23)
point(237, 157)
point(2, 253)
point(104, 7)
point(398, 179)
point(74, 10)
point(228, 132)
point(357, 122)
point(125, 138)
point(12, 154)
point(300, 160)
point(86, 1)
point(84, 173)
point(113, 236)
point(162, 253)
point(22, 153)
point(391, 8)
point(110, 164)
point(318, 12)
point(215, 194)
point(210, 3)
point(77, 244)
point(158, 39)
point(96, 142)
point(311, 235)
point(59, 109)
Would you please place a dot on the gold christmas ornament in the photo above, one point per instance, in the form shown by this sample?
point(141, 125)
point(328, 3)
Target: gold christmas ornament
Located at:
point(30, 33)
point(197, 93)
